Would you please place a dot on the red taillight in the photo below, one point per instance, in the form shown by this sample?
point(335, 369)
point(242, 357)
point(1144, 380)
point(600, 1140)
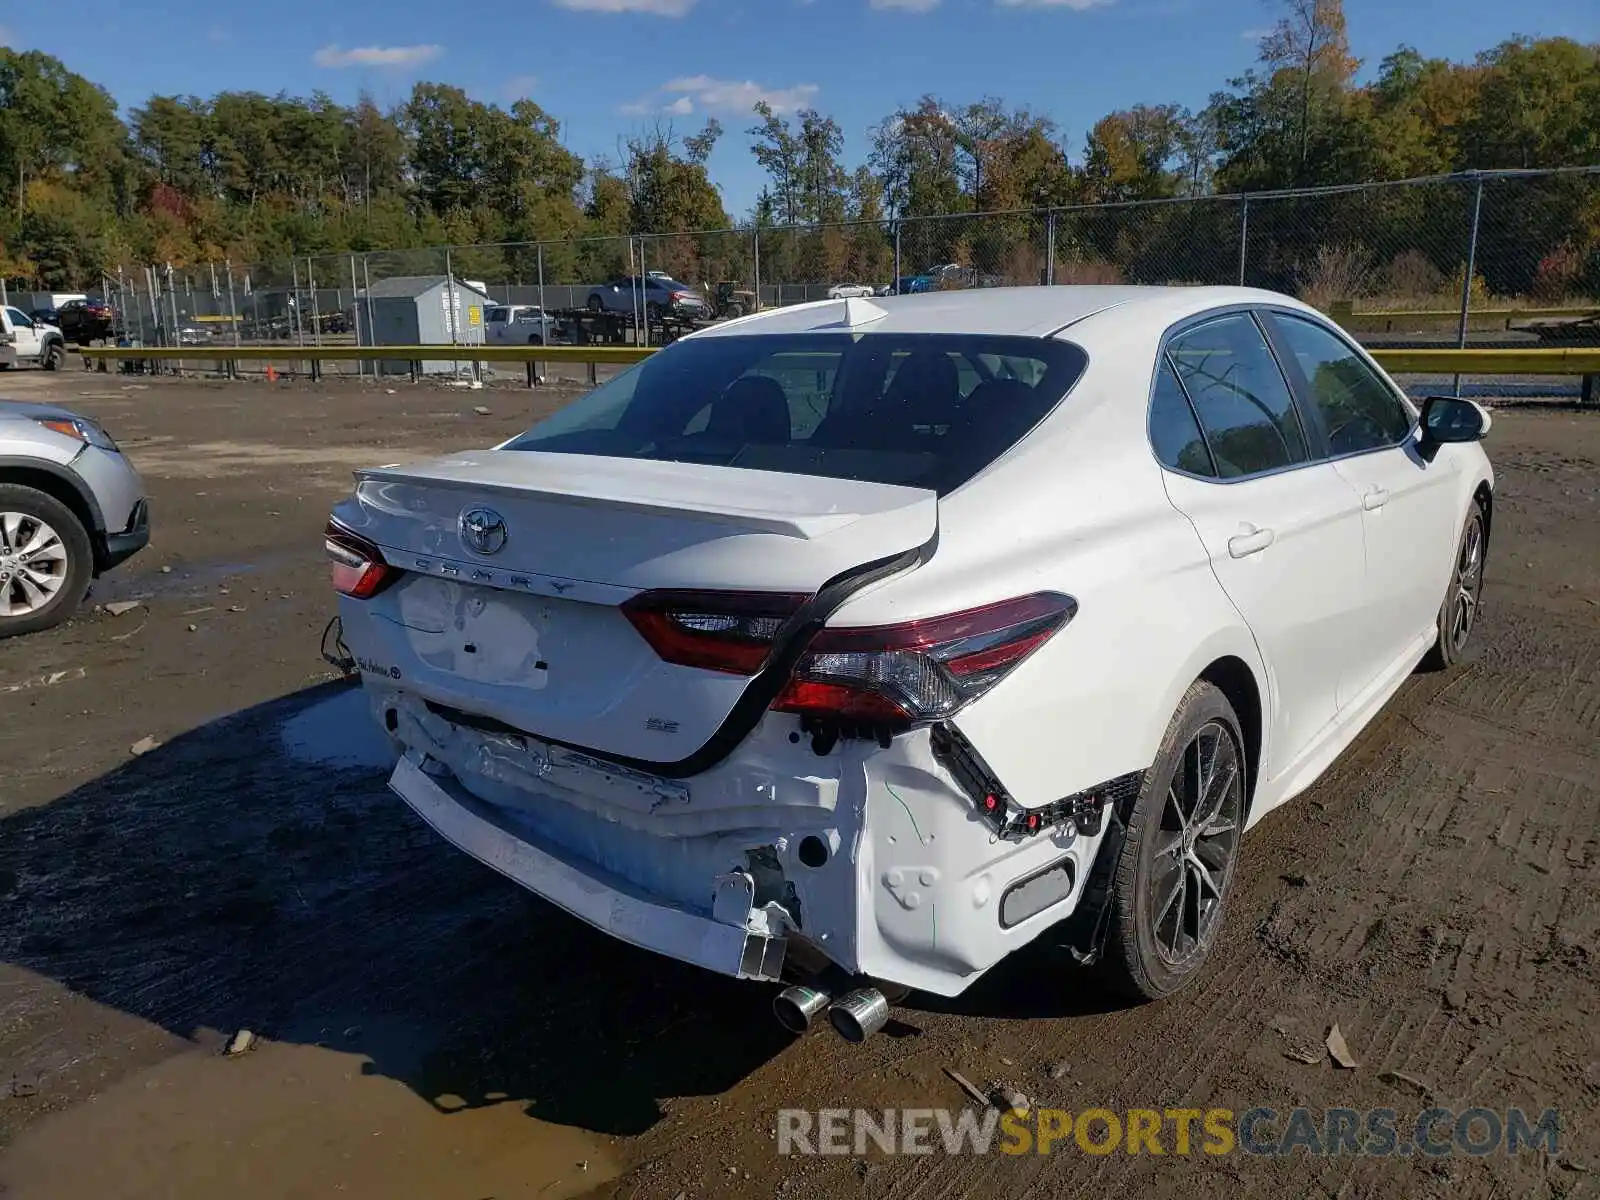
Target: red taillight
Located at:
point(920, 671)
point(355, 565)
point(718, 631)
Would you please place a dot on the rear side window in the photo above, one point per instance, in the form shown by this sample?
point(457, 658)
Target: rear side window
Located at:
point(1357, 408)
point(1241, 397)
point(923, 410)
point(1174, 432)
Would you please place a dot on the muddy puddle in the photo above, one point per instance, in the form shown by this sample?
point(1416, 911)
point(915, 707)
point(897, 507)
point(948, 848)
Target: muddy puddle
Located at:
point(287, 1121)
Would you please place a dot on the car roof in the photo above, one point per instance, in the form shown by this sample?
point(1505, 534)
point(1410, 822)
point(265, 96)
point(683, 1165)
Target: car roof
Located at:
point(1025, 311)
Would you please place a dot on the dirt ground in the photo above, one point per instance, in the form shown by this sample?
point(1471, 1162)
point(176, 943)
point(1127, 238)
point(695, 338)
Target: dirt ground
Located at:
point(428, 1030)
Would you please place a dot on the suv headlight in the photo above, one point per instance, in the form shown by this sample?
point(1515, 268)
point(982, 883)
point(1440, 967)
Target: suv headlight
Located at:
point(85, 431)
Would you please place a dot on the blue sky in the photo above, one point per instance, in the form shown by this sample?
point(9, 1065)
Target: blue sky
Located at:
point(605, 68)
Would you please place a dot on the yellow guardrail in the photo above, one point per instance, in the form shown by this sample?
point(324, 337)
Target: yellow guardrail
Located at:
point(1345, 312)
point(1450, 361)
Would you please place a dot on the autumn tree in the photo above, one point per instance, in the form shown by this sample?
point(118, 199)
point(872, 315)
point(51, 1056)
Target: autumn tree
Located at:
point(1309, 42)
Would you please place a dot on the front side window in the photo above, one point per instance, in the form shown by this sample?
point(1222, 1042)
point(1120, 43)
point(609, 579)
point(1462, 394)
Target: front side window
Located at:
point(1241, 397)
point(19, 319)
point(882, 408)
point(1357, 408)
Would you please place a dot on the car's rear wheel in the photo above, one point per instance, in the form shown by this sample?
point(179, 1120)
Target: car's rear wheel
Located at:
point(596, 304)
point(1459, 612)
point(535, 340)
point(1177, 863)
point(45, 560)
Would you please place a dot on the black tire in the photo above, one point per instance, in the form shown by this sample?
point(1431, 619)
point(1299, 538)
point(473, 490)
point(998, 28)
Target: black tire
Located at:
point(54, 355)
point(535, 340)
point(595, 304)
point(1160, 935)
point(652, 313)
point(1458, 614)
point(76, 573)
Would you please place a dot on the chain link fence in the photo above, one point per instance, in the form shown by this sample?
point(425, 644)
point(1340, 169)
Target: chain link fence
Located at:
point(1501, 258)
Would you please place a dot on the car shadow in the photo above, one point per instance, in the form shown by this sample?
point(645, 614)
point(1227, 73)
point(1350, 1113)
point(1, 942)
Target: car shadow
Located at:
point(224, 882)
point(257, 873)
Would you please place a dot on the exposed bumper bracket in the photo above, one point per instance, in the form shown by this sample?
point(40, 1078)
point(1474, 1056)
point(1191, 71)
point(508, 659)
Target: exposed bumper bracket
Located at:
point(609, 905)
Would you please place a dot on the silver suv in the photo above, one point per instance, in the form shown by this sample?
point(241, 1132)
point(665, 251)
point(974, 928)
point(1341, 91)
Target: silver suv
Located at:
point(71, 508)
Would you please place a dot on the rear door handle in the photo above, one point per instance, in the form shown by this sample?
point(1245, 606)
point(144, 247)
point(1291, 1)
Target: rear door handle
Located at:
point(1254, 542)
point(1375, 498)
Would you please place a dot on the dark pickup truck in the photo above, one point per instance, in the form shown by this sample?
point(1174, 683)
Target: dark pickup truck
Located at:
point(85, 321)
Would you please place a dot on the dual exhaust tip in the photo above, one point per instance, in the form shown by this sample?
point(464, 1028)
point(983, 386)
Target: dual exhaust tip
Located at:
point(855, 1016)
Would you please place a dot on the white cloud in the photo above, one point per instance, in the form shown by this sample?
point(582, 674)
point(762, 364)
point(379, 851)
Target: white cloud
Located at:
point(660, 8)
point(377, 56)
point(690, 94)
point(911, 6)
point(7, 38)
point(519, 86)
point(1075, 5)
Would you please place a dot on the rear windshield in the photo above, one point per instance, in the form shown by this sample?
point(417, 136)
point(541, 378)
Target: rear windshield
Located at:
point(923, 410)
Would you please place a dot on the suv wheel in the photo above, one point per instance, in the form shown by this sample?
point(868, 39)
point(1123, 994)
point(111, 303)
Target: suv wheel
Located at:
point(1182, 845)
point(54, 355)
point(46, 561)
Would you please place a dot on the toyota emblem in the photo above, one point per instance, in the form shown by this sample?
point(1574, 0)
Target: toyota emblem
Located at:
point(483, 530)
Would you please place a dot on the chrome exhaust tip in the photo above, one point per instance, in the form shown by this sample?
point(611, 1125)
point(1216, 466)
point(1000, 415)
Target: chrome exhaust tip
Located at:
point(796, 1007)
point(859, 1014)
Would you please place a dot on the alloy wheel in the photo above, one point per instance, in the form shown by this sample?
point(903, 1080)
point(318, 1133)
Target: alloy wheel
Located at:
point(1468, 585)
point(33, 564)
point(1196, 845)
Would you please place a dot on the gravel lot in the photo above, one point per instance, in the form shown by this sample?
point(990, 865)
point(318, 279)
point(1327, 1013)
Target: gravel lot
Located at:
point(427, 1030)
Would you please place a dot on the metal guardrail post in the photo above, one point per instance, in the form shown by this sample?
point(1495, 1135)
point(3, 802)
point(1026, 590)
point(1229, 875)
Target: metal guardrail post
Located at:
point(355, 289)
point(372, 332)
point(316, 313)
point(233, 317)
point(896, 289)
point(1244, 236)
point(1050, 247)
point(544, 321)
point(1472, 266)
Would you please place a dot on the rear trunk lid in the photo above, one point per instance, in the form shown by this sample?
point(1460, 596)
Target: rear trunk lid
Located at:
point(517, 562)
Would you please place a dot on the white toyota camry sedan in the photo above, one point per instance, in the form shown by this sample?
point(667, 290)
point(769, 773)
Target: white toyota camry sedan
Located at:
point(860, 643)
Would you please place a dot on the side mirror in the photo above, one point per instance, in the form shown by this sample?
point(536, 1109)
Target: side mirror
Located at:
point(1447, 419)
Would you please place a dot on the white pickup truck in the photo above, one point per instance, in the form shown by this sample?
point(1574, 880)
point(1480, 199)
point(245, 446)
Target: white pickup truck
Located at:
point(24, 340)
point(518, 325)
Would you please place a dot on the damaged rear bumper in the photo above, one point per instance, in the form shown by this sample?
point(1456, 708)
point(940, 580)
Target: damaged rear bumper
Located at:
point(874, 860)
point(489, 834)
